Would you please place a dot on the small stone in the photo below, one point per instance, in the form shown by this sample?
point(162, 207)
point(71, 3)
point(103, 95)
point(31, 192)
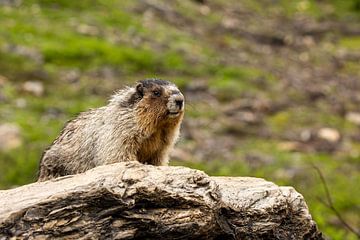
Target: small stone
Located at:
point(353, 117)
point(247, 116)
point(204, 10)
point(230, 23)
point(31, 53)
point(12, 3)
point(289, 146)
point(305, 135)
point(88, 30)
point(71, 76)
point(9, 137)
point(308, 41)
point(304, 56)
point(20, 103)
point(34, 87)
point(329, 134)
point(3, 80)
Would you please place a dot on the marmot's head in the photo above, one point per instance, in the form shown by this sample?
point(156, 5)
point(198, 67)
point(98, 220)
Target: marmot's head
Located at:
point(160, 99)
point(154, 101)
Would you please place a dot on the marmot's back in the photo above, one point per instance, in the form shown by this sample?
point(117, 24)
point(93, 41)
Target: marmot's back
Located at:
point(140, 123)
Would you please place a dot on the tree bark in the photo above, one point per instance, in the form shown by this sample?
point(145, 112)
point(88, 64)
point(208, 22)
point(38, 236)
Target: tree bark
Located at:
point(131, 200)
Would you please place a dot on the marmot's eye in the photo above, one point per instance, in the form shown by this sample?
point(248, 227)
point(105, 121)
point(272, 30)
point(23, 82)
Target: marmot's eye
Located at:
point(157, 93)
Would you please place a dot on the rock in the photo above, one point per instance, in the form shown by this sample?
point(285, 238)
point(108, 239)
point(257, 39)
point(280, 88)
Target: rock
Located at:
point(312, 140)
point(10, 137)
point(306, 135)
point(132, 200)
point(258, 105)
point(329, 134)
point(3, 80)
point(237, 118)
point(88, 30)
point(12, 3)
point(30, 53)
point(70, 76)
point(34, 87)
point(257, 160)
point(230, 23)
point(205, 10)
point(290, 146)
point(353, 117)
point(21, 103)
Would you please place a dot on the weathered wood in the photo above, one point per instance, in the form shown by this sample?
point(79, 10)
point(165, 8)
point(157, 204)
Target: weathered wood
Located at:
point(131, 200)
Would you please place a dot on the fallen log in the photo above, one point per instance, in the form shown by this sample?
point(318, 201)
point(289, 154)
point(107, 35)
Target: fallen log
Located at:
point(135, 201)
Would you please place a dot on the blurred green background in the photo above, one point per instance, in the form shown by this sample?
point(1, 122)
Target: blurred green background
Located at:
point(272, 86)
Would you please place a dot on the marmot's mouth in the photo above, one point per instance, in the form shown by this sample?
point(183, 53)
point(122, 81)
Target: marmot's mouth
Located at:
point(174, 114)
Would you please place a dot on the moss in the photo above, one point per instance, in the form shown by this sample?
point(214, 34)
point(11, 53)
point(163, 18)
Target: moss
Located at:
point(231, 82)
point(352, 68)
point(352, 43)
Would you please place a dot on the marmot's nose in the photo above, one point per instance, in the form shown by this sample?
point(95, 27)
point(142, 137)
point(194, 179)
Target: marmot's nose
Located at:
point(179, 103)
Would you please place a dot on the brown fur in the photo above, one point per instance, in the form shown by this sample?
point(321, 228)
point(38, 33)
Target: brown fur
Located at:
point(139, 124)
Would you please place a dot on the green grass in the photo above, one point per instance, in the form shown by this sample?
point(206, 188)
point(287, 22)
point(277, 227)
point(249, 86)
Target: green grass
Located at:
point(351, 43)
point(334, 8)
point(230, 82)
point(303, 117)
point(38, 127)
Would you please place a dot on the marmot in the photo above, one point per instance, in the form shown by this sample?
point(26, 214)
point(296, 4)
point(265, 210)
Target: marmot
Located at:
point(140, 123)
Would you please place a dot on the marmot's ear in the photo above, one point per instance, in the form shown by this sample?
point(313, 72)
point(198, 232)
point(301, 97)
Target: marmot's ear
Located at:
point(140, 89)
